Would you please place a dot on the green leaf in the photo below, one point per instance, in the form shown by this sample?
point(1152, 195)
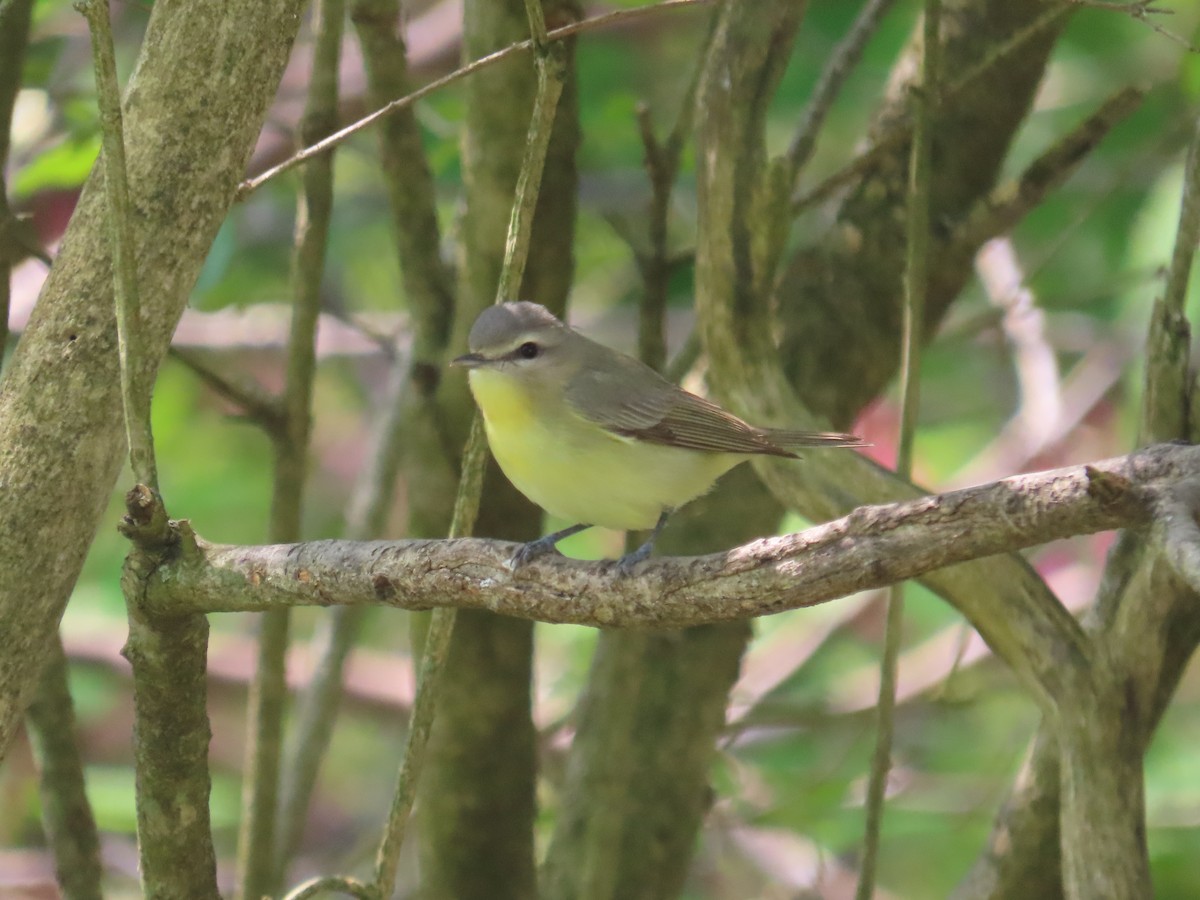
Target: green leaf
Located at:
point(65, 166)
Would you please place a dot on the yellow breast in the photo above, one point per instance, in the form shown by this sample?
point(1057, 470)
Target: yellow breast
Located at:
point(578, 471)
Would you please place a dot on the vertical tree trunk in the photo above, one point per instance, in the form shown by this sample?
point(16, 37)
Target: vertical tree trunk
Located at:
point(637, 786)
point(193, 109)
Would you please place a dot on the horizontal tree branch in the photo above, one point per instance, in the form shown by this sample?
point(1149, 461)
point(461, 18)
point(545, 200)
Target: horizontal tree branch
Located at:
point(870, 548)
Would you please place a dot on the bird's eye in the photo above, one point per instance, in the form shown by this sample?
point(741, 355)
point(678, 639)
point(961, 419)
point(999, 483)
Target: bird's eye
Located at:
point(529, 350)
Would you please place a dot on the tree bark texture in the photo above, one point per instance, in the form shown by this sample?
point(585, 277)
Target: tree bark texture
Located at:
point(872, 547)
point(839, 298)
point(193, 108)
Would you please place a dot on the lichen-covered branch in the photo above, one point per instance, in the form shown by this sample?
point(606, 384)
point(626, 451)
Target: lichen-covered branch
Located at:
point(168, 655)
point(60, 409)
point(871, 547)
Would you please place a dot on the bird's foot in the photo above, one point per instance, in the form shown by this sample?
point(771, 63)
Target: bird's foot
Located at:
point(527, 553)
point(543, 546)
point(627, 563)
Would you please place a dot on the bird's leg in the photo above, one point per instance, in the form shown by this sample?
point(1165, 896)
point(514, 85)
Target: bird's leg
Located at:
point(543, 545)
point(642, 553)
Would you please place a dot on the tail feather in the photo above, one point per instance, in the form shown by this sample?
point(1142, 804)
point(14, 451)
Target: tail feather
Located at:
point(790, 440)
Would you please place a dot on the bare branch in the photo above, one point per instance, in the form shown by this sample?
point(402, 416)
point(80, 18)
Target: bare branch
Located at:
point(249, 186)
point(841, 63)
point(137, 371)
point(429, 293)
point(248, 395)
point(661, 161)
point(916, 283)
point(901, 131)
point(1168, 341)
point(870, 548)
point(1008, 203)
point(260, 859)
point(168, 655)
point(551, 76)
point(1141, 10)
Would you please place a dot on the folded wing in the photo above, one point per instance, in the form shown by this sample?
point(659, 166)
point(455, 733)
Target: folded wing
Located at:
point(626, 401)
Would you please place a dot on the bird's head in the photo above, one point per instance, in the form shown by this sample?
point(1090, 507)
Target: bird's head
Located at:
point(522, 340)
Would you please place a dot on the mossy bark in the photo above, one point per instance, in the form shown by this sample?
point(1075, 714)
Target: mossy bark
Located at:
point(194, 106)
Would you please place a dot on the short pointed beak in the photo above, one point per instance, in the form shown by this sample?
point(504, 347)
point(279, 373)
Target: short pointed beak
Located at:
point(469, 361)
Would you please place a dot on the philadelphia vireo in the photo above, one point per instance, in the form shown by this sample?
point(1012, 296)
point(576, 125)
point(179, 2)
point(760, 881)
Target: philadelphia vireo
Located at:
point(596, 437)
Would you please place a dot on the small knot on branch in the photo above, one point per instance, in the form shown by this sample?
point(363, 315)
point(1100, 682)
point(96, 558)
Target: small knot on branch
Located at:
point(145, 522)
point(1109, 489)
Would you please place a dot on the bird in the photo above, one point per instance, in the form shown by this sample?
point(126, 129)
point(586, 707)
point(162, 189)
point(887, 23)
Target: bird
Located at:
point(596, 437)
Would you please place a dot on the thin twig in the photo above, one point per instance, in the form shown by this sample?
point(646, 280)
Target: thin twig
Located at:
point(1168, 341)
point(136, 373)
point(1141, 10)
point(254, 401)
point(260, 864)
point(901, 131)
point(652, 306)
point(1008, 203)
point(661, 161)
point(428, 290)
point(550, 75)
point(621, 15)
point(551, 72)
point(833, 77)
point(916, 281)
point(1188, 235)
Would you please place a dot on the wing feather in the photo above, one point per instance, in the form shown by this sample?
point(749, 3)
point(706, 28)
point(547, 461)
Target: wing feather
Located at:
point(634, 401)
